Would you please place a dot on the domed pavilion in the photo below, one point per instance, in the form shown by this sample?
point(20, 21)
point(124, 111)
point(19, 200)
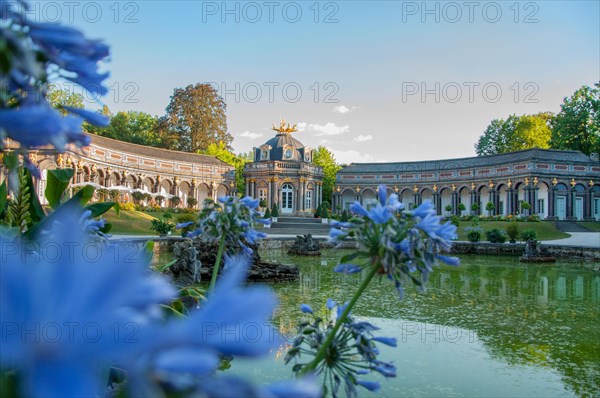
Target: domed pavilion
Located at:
point(282, 172)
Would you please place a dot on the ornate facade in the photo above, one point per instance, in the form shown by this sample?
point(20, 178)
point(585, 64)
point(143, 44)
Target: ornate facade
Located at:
point(282, 172)
point(126, 167)
point(563, 185)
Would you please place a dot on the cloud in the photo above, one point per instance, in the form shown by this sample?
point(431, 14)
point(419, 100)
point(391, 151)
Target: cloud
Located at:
point(363, 138)
point(347, 157)
point(342, 109)
point(328, 128)
point(252, 136)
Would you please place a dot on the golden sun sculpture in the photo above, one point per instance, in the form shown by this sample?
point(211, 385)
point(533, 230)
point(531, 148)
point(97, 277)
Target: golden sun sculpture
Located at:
point(284, 128)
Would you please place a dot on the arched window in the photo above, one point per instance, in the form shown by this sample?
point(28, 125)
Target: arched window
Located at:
point(287, 198)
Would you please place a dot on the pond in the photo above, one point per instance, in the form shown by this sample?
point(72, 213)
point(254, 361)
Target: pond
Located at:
point(491, 327)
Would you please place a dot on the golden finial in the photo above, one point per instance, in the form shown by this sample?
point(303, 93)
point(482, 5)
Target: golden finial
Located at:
point(396, 189)
point(284, 128)
point(453, 187)
point(338, 189)
point(535, 181)
point(473, 186)
point(491, 184)
point(509, 183)
point(554, 181)
point(591, 183)
point(526, 181)
point(415, 189)
point(435, 187)
point(573, 183)
point(357, 189)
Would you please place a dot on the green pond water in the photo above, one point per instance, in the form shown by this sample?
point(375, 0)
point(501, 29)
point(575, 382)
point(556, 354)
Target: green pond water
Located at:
point(491, 327)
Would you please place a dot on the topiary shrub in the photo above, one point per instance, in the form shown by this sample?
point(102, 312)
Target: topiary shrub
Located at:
point(529, 234)
point(496, 236)
point(324, 213)
point(461, 207)
point(473, 234)
point(318, 212)
point(191, 202)
point(448, 208)
point(512, 231)
point(175, 200)
point(275, 211)
point(137, 196)
point(262, 203)
point(344, 217)
point(268, 213)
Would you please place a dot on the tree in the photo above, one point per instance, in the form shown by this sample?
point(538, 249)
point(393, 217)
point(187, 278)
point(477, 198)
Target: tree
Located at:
point(191, 202)
point(58, 98)
point(577, 125)
point(221, 152)
point(324, 158)
point(515, 133)
point(135, 127)
point(196, 115)
point(275, 210)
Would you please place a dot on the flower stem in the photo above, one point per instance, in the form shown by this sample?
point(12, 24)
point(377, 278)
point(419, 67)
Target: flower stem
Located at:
point(322, 351)
point(213, 279)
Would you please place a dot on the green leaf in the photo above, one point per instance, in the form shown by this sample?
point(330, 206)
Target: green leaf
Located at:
point(167, 265)
point(83, 195)
point(57, 182)
point(98, 209)
point(36, 212)
point(3, 196)
point(10, 160)
point(107, 227)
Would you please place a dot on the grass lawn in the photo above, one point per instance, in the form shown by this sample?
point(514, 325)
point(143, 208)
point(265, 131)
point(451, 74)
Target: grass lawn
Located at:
point(591, 225)
point(129, 222)
point(545, 229)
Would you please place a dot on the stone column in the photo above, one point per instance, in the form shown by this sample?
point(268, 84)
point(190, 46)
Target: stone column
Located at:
point(269, 190)
point(455, 200)
point(437, 204)
point(571, 204)
point(551, 203)
point(534, 200)
point(588, 214)
point(510, 209)
point(302, 194)
point(493, 199)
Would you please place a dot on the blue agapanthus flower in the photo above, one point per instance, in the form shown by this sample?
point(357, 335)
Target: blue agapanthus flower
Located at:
point(395, 241)
point(33, 52)
point(232, 219)
point(72, 308)
point(352, 353)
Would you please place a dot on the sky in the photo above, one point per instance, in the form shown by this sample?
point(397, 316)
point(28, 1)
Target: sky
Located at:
point(373, 81)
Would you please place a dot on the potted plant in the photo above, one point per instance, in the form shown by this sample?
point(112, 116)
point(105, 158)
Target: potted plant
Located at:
point(262, 204)
point(461, 208)
point(474, 208)
point(191, 202)
point(162, 227)
point(324, 215)
point(448, 208)
point(175, 200)
point(274, 212)
point(490, 208)
point(318, 212)
point(525, 206)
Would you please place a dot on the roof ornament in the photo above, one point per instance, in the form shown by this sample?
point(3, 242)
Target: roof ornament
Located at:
point(284, 128)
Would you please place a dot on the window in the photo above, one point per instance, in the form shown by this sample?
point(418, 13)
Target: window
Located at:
point(541, 207)
point(262, 194)
point(308, 200)
point(264, 154)
point(501, 208)
point(288, 153)
point(307, 156)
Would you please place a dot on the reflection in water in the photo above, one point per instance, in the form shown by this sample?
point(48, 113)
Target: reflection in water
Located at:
point(533, 328)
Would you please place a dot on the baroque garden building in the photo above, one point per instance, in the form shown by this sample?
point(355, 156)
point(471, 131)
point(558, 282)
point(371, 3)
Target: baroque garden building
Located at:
point(556, 184)
point(126, 168)
point(282, 173)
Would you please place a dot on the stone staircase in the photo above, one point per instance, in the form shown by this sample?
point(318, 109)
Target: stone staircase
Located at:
point(293, 226)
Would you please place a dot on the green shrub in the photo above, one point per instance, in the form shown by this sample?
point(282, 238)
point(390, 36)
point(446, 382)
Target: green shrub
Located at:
point(175, 200)
point(324, 213)
point(191, 202)
point(490, 206)
point(326, 205)
point(268, 213)
point(455, 220)
point(448, 207)
point(462, 207)
point(344, 216)
point(529, 234)
point(496, 236)
point(137, 196)
point(473, 234)
point(162, 227)
point(275, 211)
point(474, 207)
point(318, 212)
point(185, 217)
point(129, 206)
point(512, 231)
point(533, 218)
point(262, 203)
